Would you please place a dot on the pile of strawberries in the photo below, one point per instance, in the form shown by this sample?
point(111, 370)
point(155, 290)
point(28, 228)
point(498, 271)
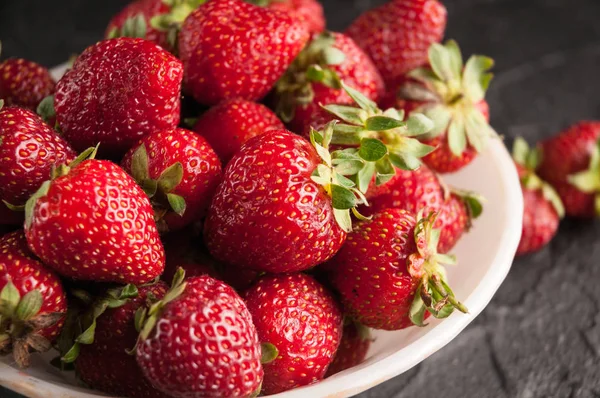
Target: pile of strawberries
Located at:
point(281, 178)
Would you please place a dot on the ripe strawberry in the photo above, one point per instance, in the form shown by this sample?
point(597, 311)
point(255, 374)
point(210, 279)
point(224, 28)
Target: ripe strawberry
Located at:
point(315, 76)
point(29, 149)
point(398, 34)
point(454, 98)
point(309, 12)
point(356, 340)
point(200, 341)
point(233, 49)
point(299, 324)
point(92, 222)
point(24, 83)
point(179, 171)
point(32, 300)
point(543, 208)
point(117, 92)
point(389, 273)
point(233, 122)
point(105, 364)
point(571, 163)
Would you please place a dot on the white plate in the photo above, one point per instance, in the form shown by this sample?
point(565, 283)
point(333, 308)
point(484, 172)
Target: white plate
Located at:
point(485, 256)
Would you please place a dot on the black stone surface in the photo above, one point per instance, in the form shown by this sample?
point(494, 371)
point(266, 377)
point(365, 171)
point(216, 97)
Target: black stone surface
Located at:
point(540, 337)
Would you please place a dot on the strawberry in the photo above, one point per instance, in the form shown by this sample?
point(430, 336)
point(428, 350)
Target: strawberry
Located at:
point(29, 149)
point(200, 341)
point(423, 190)
point(398, 34)
point(543, 207)
point(356, 340)
point(454, 98)
point(571, 163)
point(299, 324)
point(228, 125)
point(315, 77)
point(179, 171)
point(117, 92)
point(92, 222)
point(284, 204)
point(233, 49)
point(24, 83)
point(389, 274)
point(309, 12)
point(32, 300)
point(104, 364)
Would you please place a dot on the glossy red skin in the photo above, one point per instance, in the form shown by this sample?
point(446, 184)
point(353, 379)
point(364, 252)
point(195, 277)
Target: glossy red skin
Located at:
point(201, 170)
point(398, 34)
point(24, 83)
point(371, 274)
point(149, 9)
point(303, 321)
point(454, 220)
point(353, 350)
point(105, 365)
point(29, 149)
point(230, 124)
point(268, 214)
point(117, 92)
point(204, 338)
point(357, 71)
point(96, 224)
point(234, 49)
point(27, 273)
point(566, 154)
point(309, 12)
point(540, 222)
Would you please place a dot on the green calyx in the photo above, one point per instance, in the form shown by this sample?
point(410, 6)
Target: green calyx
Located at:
point(134, 27)
point(171, 22)
point(433, 293)
point(269, 353)
point(367, 121)
point(313, 65)
point(473, 202)
point(588, 181)
point(20, 322)
point(46, 109)
point(1, 104)
point(160, 190)
point(451, 92)
point(530, 159)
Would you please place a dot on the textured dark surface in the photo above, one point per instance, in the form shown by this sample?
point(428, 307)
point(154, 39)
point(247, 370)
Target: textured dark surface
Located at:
point(540, 337)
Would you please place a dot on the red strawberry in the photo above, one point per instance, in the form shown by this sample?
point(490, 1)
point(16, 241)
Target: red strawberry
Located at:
point(93, 222)
point(398, 34)
point(389, 273)
point(454, 98)
point(571, 163)
point(29, 149)
point(179, 171)
point(233, 122)
point(117, 92)
point(315, 78)
point(300, 326)
point(355, 344)
point(105, 364)
point(24, 83)
point(233, 49)
point(32, 300)
point(309, 12)
point(200, 341)
point(543, 208)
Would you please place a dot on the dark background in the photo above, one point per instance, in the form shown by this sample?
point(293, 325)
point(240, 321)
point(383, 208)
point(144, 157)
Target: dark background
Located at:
point(540, 337)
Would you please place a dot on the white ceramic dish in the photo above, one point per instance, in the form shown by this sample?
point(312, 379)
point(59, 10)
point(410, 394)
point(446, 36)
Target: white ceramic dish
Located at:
point(485, 256)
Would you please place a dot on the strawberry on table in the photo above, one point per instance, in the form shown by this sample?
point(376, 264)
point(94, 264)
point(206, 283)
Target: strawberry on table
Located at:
point(231, 123)
point(398, 34)
point(179, 171)
point(33, 303)
point(543, 207)
point(92, 222)
point(117, 92)
point(356, 340)
point(571, 163)
point(299, 324)
point(231, 49)
point(389, 274)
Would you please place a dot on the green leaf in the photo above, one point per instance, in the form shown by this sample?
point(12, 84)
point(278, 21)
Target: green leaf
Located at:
point(343, 181)
point(440, 61)
point(441, 117)
point(456, 60)
point(342, 217)
point(417, 309)
point(139, 164)
point(365, 176)
point(476, 80)
point(385, 171)
point(171, 177)
point(520, 151)
point(323, 154)
point(333, 56)
point(360, 99)
point(140, 318)
point(30, 205)
point(46, 108)
point(552, 196)
point(412, 146)
point(342, 198)
point(587, 181)
point(129, 291)
point(405, 161)
point(348, 114)
point(9, 299)
point(72, 354)
point(418, 92)
point(383, 123)
point(394, 113)
point(348, 167)
point(269, 353)
point(474, 205)
point(29, 306)
point(87, 337)
point(315, 73)
point(371, 149)
point(418, 124)
point(177, 203)
point(478, 130)
point(150, 187)
point(457, 136)
point(344, 134)
point(423, 75)
point(113, 33)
